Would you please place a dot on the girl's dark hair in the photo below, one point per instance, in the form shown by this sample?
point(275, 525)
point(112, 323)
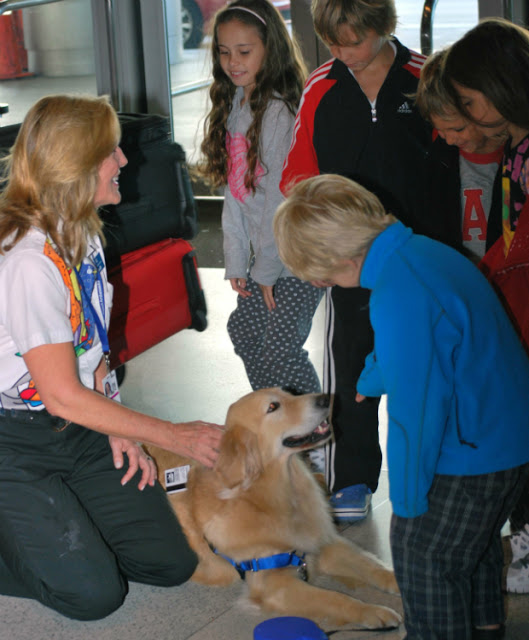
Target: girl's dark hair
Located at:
point(492, 58)
point(283, 72)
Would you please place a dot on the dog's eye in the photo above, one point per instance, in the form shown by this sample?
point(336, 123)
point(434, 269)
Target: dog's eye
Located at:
point(272, 407)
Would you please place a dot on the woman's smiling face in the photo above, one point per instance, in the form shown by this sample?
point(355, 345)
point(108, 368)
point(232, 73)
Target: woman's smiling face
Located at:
point(107, 191)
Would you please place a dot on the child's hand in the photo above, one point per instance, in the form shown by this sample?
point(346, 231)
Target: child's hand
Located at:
point(239, 285)
point(359, 397)
point(268, 295)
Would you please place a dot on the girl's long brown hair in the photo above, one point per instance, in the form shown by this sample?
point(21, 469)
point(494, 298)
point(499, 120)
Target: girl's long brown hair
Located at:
point(492, 58)
point(283, 72)
point(52, 172)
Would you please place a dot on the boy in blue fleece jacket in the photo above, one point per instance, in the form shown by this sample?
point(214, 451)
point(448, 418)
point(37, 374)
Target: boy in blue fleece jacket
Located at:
point(457, 385)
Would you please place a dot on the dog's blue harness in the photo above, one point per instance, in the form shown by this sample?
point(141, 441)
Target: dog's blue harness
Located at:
point(277, 561)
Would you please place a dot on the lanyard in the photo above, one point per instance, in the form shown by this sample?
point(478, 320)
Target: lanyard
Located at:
point(87, 302)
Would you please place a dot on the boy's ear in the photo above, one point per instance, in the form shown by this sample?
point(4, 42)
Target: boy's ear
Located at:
point(355, 262)
point(358, 261)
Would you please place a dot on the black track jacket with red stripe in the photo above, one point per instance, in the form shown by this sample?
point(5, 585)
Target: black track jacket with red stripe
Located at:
point(336, 131)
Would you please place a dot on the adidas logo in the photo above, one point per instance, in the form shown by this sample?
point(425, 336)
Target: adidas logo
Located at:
point(404, 108)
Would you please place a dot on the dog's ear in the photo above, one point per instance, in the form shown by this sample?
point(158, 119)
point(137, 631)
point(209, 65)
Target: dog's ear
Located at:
point(239, 461)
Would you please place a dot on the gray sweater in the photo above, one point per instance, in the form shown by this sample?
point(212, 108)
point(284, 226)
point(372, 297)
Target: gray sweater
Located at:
point(246, 217)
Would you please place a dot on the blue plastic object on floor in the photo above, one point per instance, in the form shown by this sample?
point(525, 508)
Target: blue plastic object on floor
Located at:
point(288, 628)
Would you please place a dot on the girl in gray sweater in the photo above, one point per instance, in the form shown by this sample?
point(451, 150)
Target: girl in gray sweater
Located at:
point(258, 77)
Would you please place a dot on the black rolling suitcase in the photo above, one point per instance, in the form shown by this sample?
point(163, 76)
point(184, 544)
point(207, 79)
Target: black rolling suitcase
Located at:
point(156, 196)
point(7, 138)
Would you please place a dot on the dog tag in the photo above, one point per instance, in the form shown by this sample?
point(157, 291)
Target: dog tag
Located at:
point(302, 570)
point(176, 479)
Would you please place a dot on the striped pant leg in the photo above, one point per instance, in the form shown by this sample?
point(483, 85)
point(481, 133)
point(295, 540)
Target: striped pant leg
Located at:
point(490, 569)
point(448, 562)
point(353, 456)
point(270, 343)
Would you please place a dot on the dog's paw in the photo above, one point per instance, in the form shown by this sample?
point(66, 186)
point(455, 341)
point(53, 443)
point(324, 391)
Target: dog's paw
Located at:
point(215, 571)
point(379, 617)
point(390, 584)
point(385, 580)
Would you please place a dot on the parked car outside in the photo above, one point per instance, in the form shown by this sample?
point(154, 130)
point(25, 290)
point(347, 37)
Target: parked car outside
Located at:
point(197, 14)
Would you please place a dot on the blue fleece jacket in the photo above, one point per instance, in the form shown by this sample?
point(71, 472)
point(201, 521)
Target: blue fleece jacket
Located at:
point(450, 362)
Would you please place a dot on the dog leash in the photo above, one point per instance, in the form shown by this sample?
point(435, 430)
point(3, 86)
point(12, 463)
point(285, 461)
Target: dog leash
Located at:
point(354, 629)
point(276, 561)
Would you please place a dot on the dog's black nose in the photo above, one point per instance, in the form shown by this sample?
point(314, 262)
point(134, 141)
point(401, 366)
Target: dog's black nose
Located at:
point(323, 400)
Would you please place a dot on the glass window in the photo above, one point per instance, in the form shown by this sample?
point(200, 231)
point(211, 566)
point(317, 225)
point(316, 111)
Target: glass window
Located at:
point(452, 18)
point(49, 49)
point(45, 49)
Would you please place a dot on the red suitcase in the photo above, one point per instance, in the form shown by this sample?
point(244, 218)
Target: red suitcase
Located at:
point(157, 292)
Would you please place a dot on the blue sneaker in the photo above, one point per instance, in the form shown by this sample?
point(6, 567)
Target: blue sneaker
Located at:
point(351, 503)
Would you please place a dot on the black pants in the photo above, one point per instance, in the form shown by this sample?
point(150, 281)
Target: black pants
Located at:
point(520, 514)
point(354, 455)
point(70, 534)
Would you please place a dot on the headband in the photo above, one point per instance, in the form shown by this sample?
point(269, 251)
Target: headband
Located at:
point(248, 11)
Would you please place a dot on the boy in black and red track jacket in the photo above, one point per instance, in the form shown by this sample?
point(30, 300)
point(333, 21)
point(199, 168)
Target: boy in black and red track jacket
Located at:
point(357, 118)
point(338, 131)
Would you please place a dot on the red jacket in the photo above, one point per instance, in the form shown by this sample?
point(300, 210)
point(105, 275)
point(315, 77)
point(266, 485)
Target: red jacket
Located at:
point(510, 274)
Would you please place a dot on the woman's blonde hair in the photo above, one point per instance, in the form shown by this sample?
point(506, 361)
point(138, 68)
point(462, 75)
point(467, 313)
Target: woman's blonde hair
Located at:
point(282, 74)
point(325, 220)
point(52, 172)
point(360, 15)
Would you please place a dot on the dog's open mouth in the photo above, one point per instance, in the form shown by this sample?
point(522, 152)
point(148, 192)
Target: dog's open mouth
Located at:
point(321, 432)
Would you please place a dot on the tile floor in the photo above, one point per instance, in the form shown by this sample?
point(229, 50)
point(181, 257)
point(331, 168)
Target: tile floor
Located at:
point(196, 375)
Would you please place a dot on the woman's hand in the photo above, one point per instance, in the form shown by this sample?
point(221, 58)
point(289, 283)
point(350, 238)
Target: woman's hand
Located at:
point(268, 295)
point(198, 440)
point(138, 459)
point(54, 370)
point(239, 285)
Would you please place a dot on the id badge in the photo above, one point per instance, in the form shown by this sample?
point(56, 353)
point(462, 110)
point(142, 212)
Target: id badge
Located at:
point(176, 479)
point(110, 385)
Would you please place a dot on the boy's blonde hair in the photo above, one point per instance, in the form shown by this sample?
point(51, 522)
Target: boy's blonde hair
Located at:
point(361, 15)
point(325, 220)
point(432, 97)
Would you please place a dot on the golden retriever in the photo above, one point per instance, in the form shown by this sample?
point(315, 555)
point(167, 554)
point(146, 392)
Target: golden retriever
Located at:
point(261, 500)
